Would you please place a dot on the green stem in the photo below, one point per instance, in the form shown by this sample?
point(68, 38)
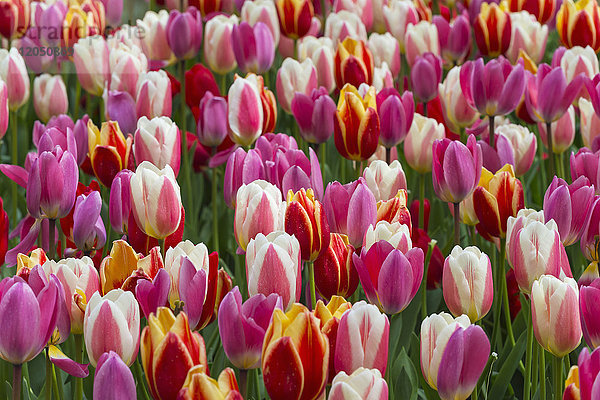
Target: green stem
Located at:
point(506, 307)
point(223, 84)
point(215, 200)
point(430, 248)
point(152, 5)
point(528, 356)
point(561, 165)
point(183, 129)
point(492, 130)
point(244, 383)
point(48, 381)
point(58, 389)
point(15, 160)
point(141, 378)
point(558, 380)
point(474, 394)
point(550, 148)
point(542, 373)
point(535, 364)
point(163, 247)
point(422, 201)
point(313, 294)
point(388, 155)
point(77, 99)
point(51, 239)
point(256, 373)
point(457, 224)
point(16, 382)
point(79, 359)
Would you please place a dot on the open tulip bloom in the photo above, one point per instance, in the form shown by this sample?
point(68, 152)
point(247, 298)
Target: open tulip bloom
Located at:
point(233, 199)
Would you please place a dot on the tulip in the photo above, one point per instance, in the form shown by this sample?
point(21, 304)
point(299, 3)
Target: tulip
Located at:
point(112, 322)
point(562, 131)
point(335, 274)
point(109, 151)
point(356, 126)
point(88, 228)
point(589, 123)
point(253, 47)
point(384, 180)
point(168, 341)
point(51, 184)
point(453, 354)
point(385, 48)
point(212, 128)
point(398, 15)
point(199, 385)
point(394, 233)
point(465, 161)
point(380, 268)
point(455, 108)
point(321, 52)
point(528, 36)
point(295, 17)
point(395, 210)
point(421, 38)
point(585, 163)
point(119, 204)
point(396, 114)
point(158, 142)
point(4, 228)
point(262, 11)
point(14, 18)
point(294, 347)
point(581, 382)
point(3, 108)
point(120, 107)
point(353, 63)
point(153, 294)
point(314, 115)
point(242, 168)
point(294, 77)
point(578, 24)
point(425, 75)
point(542, 10)
point(363, 383)
point(79, 24)
point(577, 61)
point(350, 209)
point(245, 110)
point(343, 24)
point(382, 78)
point(113, 378)
point(14, 74)
point(590, 237)
point(184, 32)
point(492, 29)
point(154, 41)
point(419, 141)
point(468, 283)
point(554, 304)
point(454, 38)
point(218, 52)
point(251, 320)
point(519, 145)
point(127, 64)
point(50, 96)
point(174, 257)
point(588, 301)
point(153, 95)
point(569, 206)
point(91, 59)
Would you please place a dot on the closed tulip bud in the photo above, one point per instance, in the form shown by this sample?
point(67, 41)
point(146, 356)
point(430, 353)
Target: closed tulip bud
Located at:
point(156, 200)
point(50, 96)
point(380, 268)
point(127, 64)
point(158, 141)
point(398, 15)
point(113, 378)
point(384, 180)
point(119, 205)
point(425, 75)
point(199, 385)
point(259, 209)
point(153, 94)
point(591, 233)
point(184, 32)
point(218, 52)
point(108, 150)
point(455, 38)
point(112, 322)
point(385, 48)
point(578, 61)
point(468, 283)
point(314, 115)
point(419, 141)
point(453, 355)
point(588, 305)
point(492, 29)
point(589, 123)
point(242, 168)
point(253, 47)
point(528, 35)
point(169, 341)
point(555, 314)
point(14, 73)
point(578, 24)
point(520, 142)
point(362, 8)
point(395, 210)
point(454, 156)
point(154, 42)
point(14, 18)
point(542, 10)
point(343, 24)
point(562, 130)
point(363, 383)
point(295, 17)
point(245, 110)
point(421, 38)
point(273, 266)
point(91, 59)
point(396, 234)
point(353, 63)
point(585, 163)
point(356, 126)
point(382, 78)
point(294, 77)
point(249, 319)
point(320, 51)
point(212, 122)
point(291, 338)
point(262, 11)
point(335, 274)
point(197, 254)
point(455, 108)
point(363, 321)
point(120, 107)
point(396, 115)
point(88, 228)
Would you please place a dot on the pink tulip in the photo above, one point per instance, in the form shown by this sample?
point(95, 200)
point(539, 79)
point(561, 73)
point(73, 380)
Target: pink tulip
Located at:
point(314, 114)
point(343, 24)
point(14, 73)
point(273, 266)
point(421, 38)
point(555, 314)
point(519, 144)
point(218, 52)
point(294, 77)
point(158, 141)
point(212, 126)
point(419, 142)
point(455, 108)
point(362, 339)
point(197, 254)
point(91, 59)
point(384, 180)
point(242, 326)
point(563, 132)
point(242, 168)
point(245, 111)
point(577, 61)
point(587, 384)
point(455, 38)
point(153, 94)
point(398, 15)
point(585, 163)
point(262, 11)
point(120, 107)
point(320, 51)
point(591, 232)
point(127, 64)
point(425, 75)
point(89, 233)
point(113, 378)
point(396, 115)
point(589, 124)
point(153, 294)
point(3, 108)
point(389, 277)
point(385, 48)
point(362, 8)
point(154, 42)
point(528, 36)
point(453, 354)
point(156, 200)
point(49, 96)
point(184, 32)
point(253, 47)
point(50, 21)
point(589, 301)
point(363, 383)
point(112, 322)
point(119, 205)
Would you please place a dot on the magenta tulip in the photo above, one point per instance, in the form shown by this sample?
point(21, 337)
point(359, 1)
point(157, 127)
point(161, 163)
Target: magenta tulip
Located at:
point(121, 107)
point(153, 294)
point(212, 126)
point(253, 47)
point(454, 38)
point(425, 75)
point(395, 115)
point(586, 163)
point(314, 115)
point(589, 307)
point(242, 168)
point(113, 378)
point(184, 32)
point(88, 228)
point(119, 204)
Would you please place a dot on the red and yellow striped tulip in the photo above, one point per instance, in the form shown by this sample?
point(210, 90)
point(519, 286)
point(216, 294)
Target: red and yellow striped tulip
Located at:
point(395, 209)
point(199, 385)
point(543, 10)
point(578, 24)
point(493, 30)
point(353, 63)
point(334, 270)
point(295, 17)
point(109, 151)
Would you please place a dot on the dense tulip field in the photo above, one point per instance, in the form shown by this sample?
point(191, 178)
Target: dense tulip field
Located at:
point(299, 199)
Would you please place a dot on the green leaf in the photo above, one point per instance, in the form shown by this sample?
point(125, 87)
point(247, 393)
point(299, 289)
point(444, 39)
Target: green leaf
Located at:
point(406, 381)
point(508, 369)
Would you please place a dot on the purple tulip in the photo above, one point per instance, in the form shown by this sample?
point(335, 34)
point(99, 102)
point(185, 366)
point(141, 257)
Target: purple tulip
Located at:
point(193, 289)
point(290, 169)
point(114, 11)
point(213, 125)
point(593, 88)
point(456, 168)
point(350, 209)
point(242, 326)
point(152, 295)
point(314, 115)
point(60, 130)
point(548, 96)
point(589, 307)
point(49, 23)
point(269, 143)
point(569, 207)
point(586, 163)
point(119, 204)
point(395, 115)
point(184, 32)
point(88, 228)
point(425, 75)
point(120, 107)
point(253, 47)
point(52, 184)
point(454, 39)
point(113, 379)
point(81, 138)
point(389, 277)
point(494, 88)
point(242, 168)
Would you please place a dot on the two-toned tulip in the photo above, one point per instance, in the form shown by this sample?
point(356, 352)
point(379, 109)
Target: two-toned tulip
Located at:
point(91, 59)
point(353, 63)
point(453, 355)
point(158, 141)
point(395, 210)
point(295, 77)
point(154, 41)
point(528, 36)
point(50, 96)
point(109, 151)
point(218, 52)
point(578, 23)
point(396, 234)
point(343, 24)
point(14, 73)
point(153, 95)
point(385, 49)
point(363, 383)
point(262, 11)
point(295, 17)
point(589, 123)
point(542, 10)
point(14, 18)
point(492, 29)
point(291, 338)
point(321, 52)
point(586, 163)
point(455, 108)
point(384, 180)
point(198, 384)
point(523, 144)
point(253, 47)
point(197, 254)
point(418, 144)
point(335, 274)
point(245, 110)
point(356, 126)
point(127, 64)
point(398, 15)
point(169, 341)
point(184, 32)
point(421, 38)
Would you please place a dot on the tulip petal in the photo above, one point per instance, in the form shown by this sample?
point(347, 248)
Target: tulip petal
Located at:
point(63, 362)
